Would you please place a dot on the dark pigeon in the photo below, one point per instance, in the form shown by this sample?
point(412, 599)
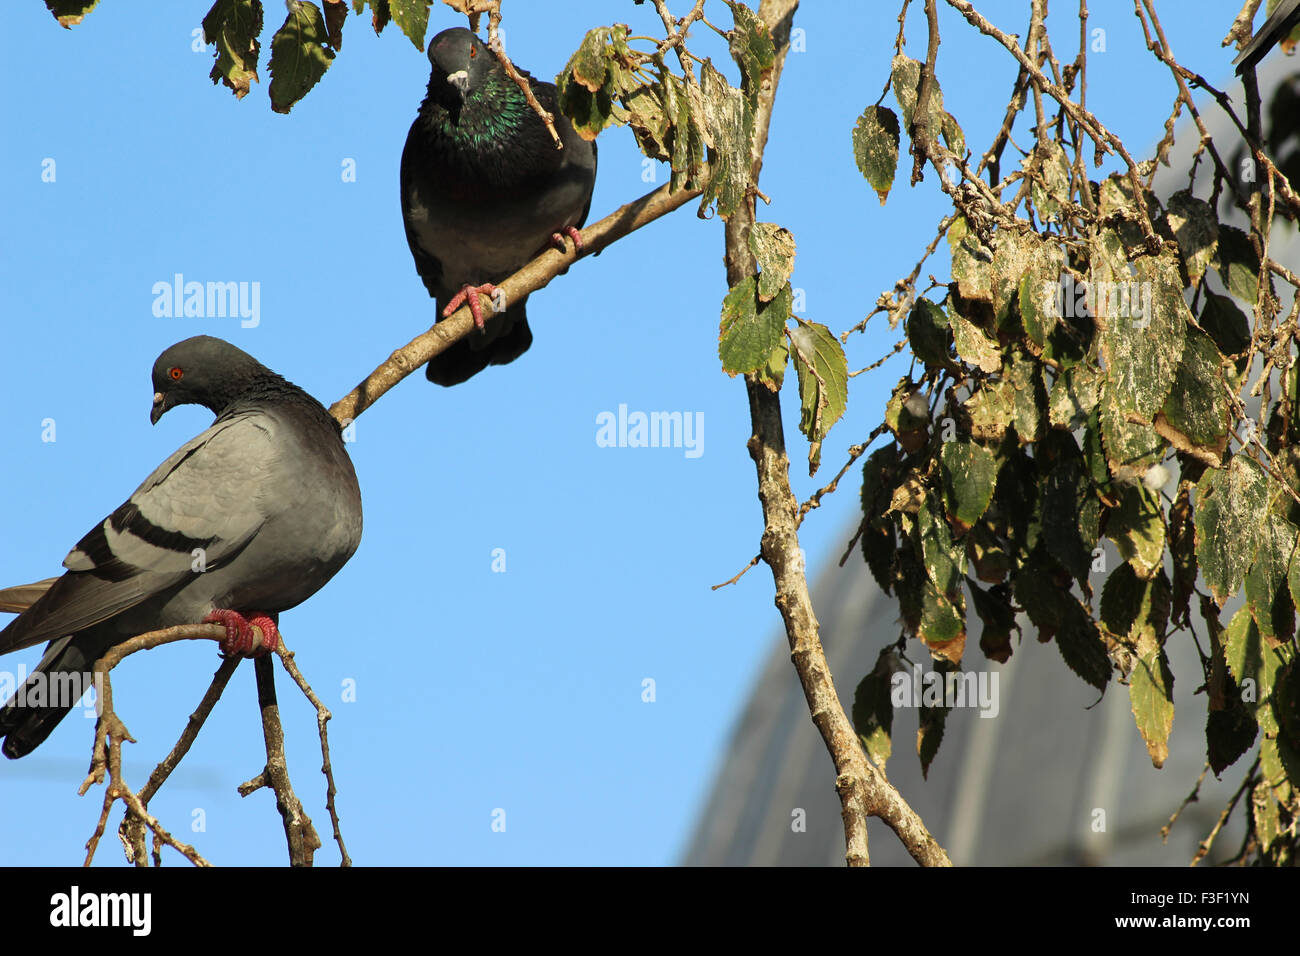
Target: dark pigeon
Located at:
point(484, 190)
point(1284, 18)
point(249, 519)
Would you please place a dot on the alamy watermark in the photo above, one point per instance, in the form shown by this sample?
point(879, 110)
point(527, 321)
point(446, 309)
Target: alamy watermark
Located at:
point(1069, 298)
point(208, 300)
point(951, 689)
point(53, 690)
point(651, 430)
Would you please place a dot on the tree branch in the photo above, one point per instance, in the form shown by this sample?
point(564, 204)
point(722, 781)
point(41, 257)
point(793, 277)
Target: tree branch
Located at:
point(536, 275)
point(298, 830)
point(863, 790)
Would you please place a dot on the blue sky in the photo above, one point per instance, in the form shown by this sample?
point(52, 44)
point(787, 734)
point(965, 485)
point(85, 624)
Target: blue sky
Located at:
point(475, 690)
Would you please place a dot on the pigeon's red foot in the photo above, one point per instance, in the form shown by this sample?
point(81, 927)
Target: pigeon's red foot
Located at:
point(572, 233)
point(471, 293)
point(241, 640)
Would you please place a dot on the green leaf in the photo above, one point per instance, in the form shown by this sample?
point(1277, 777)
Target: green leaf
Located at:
point(233, 27)
point(1229, 502)
point(987, 553)
point(1151, 696)
point(1237, 263)
point(1024, 374)
point(1038, 290)
point(1196, 228)
point(589, 113)
point(1119, 206)
point(1056, 612)
point(1093, 453)
point(873, 710)
point(909, 584)
point(1070, 509)
point(1081, 645)
point(687, 147)
point(1131, 447)
point(380, 14)
point(589, 65)
point(1264, 810)
point(905, 77)
point(1266, 581)
point(974, 347)
point(751, 330)
point(1195, 417)
point(1148, 631)
point(1017, 501)
point(1228, 734)
point(1137, 612)
point(1073, 397)
point(772, 375)
point(1121, 599)
point(336, 17)
point(1182, 546)
point(875, 147)
point(991, 409)
point(1048, 169)
point(752, 48)
point(943, 623)
point(823, 382)
point(1225, 323)
point(1013, 256)
point(999, 619)
point(69, 13)
point(952, 134)
point(1142, 339)
point(728, 130)
point(299, 57)
point(879, 543)
point(1137, 527)
point(773, 247)
point(945, 563)
point(970, 473)
point(929, 733)
point(648, 118)
point(971, 263)
point(412, 18)
point(927, 331)
point(879, 547)
point(1254, 666)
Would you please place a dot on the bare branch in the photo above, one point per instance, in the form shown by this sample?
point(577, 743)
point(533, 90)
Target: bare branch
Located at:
point(322, 718)
point(298, 830)
point(536, 275)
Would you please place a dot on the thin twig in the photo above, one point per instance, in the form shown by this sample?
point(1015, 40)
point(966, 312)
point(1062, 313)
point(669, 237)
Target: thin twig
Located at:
point(322, 718)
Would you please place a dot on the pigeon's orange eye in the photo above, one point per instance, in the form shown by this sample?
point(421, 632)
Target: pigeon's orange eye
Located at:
point(176, 373)
point(473, 52)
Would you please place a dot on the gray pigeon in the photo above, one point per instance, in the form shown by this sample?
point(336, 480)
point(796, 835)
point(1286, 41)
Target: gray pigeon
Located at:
point(248, 519)
point(1283, 19)
point(484, 190)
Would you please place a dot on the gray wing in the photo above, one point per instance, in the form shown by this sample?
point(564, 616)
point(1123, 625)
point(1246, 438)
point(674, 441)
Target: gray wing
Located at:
point(20, 597)
point(205, 498)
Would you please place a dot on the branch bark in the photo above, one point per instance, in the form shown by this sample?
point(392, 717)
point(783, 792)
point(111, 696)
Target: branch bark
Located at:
point(536, 275)
point(862, 789)
point(298, 830)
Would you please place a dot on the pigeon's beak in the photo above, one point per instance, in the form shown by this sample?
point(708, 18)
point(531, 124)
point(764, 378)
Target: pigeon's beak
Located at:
point(460, 80)
point(160, 406)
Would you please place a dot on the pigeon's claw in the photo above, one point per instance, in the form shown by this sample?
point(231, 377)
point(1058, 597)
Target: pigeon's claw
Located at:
point(570, 231)
point(471, 293)
point(241, 640)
